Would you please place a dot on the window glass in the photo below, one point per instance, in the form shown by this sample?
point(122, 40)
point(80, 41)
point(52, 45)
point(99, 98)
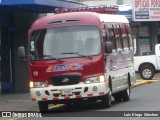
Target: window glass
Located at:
point(125, 37)
point(112, 37)
point(118, 43)
point(129, 37)
point(65, 42)
point(118, 37)
point(125, 42)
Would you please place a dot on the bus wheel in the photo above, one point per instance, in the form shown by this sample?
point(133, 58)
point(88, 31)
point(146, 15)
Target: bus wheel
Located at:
point(43, 106)
point(106, 101)
point(117, 97)
point(126, 94)
point(147, 72)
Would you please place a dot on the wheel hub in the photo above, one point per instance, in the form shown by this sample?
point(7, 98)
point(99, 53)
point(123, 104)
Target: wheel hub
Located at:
point(147, 73)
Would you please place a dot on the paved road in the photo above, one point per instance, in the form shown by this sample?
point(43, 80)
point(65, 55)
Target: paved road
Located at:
point(143, 98)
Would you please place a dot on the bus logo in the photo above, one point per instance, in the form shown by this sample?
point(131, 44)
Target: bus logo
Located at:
point(65, 80)
point(64, 67)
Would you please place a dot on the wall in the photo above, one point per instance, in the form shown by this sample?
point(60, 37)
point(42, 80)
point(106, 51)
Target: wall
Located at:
point(23, 22)
point(154, 29)
point(6, 25)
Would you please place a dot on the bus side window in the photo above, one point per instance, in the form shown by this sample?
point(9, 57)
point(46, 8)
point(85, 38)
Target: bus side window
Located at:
point(125, 37)
point(126, 42)
point(118, 38)
point(112, 37)
point(118, 43)
point(105, 33)
point(129, 37)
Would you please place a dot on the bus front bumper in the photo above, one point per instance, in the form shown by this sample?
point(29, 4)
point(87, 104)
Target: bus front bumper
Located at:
point(78, 91)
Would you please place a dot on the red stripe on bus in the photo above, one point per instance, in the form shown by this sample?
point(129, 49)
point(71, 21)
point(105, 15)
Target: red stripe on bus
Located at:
point(78, 96)
point(101, 93)
point(33, 99)
point(89, 95)
point(66, 97)
point(44, 99)
point(55, 98)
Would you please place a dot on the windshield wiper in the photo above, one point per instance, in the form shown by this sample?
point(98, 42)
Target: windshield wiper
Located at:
point(34, 57)
point(51, 57)
point(77, 53)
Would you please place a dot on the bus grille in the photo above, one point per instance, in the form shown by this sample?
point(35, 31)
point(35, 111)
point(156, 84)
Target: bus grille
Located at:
point(65, 80)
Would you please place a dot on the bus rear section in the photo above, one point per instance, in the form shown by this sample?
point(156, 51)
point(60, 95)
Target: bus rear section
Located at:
point(80, 56)
point(119, 64)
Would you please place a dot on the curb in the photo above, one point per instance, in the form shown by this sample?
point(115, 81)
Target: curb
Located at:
point(55, 106)
point(143, 82)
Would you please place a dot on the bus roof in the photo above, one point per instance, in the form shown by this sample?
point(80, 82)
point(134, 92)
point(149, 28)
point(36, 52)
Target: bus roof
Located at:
point(83, 17)
point(113, 18)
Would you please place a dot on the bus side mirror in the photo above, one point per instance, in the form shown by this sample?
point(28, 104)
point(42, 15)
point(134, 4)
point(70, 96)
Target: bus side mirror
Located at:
point(108, 47)
point(21, 53)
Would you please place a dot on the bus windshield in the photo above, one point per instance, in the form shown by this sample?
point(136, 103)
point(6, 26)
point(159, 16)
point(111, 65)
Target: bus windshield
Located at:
point(65, 42)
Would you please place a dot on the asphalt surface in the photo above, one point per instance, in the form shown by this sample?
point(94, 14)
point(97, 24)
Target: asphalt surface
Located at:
point(22, 102)
point(144, 99)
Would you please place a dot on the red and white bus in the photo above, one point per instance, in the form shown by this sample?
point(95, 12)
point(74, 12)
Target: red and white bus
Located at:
point(80, 56)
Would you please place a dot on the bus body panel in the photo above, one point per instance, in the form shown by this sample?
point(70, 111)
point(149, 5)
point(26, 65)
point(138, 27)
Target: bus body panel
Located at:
point(87, 68)
point(117, 66)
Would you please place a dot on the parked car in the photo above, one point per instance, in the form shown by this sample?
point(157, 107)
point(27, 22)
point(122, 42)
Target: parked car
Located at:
point(148, 64)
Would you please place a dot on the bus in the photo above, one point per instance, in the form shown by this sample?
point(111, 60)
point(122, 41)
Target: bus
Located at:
point(80, 56)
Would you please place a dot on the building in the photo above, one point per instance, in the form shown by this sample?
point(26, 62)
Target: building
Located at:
point(145, 26)
point(109, 2)
point(144, 17)
point(16, 17)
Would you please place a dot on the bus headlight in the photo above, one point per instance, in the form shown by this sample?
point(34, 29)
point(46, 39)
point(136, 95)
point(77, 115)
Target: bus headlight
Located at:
point(38, 84)
point(96, 79)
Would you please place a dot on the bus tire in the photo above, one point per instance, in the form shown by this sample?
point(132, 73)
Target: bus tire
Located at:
point(129, 80)
point(147, 72)
point(126, 94)
point(43, 106)
point(106, 101)
point(117, 97)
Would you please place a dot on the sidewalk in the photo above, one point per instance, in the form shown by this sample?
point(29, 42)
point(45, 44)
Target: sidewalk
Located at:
point(17, 102)
point(140, 82)
point(23, 102)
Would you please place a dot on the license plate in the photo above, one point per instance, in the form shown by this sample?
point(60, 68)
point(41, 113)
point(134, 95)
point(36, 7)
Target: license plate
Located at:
point(67, 92)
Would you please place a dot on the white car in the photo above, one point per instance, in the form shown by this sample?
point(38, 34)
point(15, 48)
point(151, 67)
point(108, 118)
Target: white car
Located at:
point(147, 65)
